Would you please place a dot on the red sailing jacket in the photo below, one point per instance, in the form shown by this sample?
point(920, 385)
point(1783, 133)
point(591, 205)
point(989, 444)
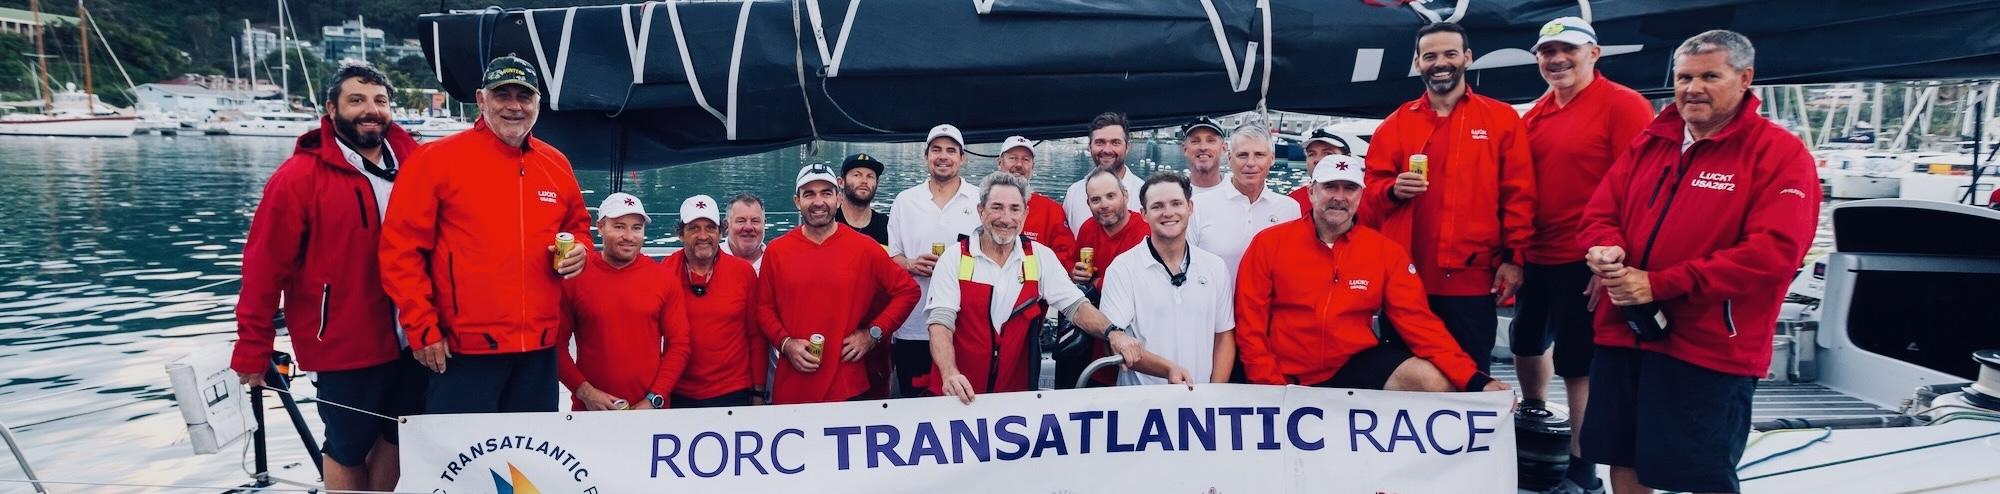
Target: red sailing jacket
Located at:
point(1046, 224)
point(465, 246)
point(313, 241)
point(1491, 204)
point(1303, 309)
point(994, 360)
point(1720, 229)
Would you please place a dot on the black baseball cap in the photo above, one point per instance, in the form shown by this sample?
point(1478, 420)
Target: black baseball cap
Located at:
point(510, 70)
point(1321, 135)
point(861, 160)
point(1202, 122)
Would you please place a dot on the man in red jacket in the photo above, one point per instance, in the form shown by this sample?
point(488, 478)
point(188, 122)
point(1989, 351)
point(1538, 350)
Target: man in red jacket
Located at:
point(1045, 222)
point(1575, 130)
point(312, 245)
point(1466, 217)
point(469, 253)
point(729, 361)
point(628, 318)
point(1308, 288)
point(1693, 235)
point(823, 280)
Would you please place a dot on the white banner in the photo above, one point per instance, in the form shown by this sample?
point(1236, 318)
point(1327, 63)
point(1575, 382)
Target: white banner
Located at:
point(1215, 438)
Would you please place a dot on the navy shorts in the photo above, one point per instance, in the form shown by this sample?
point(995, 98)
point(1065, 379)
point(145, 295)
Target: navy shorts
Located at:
point(1553, 311)
point(1369, 369)
point(506, 382)
point(395, 389)
point(1683, 427)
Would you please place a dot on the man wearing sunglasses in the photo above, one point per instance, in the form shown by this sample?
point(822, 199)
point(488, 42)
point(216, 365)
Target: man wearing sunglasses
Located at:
point(727, 366)
point(1177, 298)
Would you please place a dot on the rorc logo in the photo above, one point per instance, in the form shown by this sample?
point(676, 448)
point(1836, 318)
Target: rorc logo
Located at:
point(517, 465)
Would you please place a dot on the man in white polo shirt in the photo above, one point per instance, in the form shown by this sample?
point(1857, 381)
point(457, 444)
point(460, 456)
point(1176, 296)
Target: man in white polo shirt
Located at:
point(1201, 143)
point(933, 213)
point(1178, 299)
point(1110, 138)
point(1228, 217)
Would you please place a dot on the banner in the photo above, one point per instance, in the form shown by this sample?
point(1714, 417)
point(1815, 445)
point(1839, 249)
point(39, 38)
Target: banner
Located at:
point(1213, 438)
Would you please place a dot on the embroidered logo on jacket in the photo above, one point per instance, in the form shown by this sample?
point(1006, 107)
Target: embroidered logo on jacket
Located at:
point(1717, 181)
point(1357, 284)
point(1479, 134)
point(546, 196)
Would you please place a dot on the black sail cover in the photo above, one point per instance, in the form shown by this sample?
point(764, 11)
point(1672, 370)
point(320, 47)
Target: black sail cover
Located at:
point(665, 83)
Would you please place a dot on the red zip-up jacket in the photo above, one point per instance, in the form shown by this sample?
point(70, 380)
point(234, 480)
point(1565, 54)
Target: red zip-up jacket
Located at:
point(631, 330)
point(1047, 224)
point(1719, 229)
point(1303, 309)
point(829, 289)
point(312, 244)
point(1488, 215)
point(465, 248)
point(729, 352)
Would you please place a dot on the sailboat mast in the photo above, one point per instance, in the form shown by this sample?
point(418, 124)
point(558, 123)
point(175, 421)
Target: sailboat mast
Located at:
point(42, 57)
point(83, 44)
point(250, 57)
point(283, 63)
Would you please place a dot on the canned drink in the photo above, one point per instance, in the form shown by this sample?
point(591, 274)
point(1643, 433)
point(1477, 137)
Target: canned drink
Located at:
point(1421, 165)
point(1086, 255)
point(620, 404)
point(816, 344)
point(564, 242)
point(937, 249)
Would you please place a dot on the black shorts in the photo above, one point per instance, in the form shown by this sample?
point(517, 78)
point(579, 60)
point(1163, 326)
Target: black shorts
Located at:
point(735, 399)
point(395, 389)
point(506, 382)
point(1369, 369)
point(1683, 427)
point(1474, 322)
point(1553, 310)
point(912, 359)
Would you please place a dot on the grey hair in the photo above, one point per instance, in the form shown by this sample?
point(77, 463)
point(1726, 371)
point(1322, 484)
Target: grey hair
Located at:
point(1004, 179)
point(1741, 54)
point(1252, 130)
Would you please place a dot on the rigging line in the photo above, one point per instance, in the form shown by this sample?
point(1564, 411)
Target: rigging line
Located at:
point(320, 400)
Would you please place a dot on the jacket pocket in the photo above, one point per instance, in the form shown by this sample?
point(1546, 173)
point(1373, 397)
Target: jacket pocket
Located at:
point(325, 299)
point(1729, 317)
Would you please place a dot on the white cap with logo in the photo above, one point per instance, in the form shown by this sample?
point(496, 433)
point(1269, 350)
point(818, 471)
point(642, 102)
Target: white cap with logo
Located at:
point(1340, 167)
point(816, 172)
point(619, 204)
point(1572, 30)
point(701, 206)
point(945, 130)
point(1016, 142)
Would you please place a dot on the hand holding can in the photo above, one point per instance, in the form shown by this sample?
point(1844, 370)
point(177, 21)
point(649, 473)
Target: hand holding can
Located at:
point(1086, 255)
point(1421, 165)
point(564, 242)
point(816, 344)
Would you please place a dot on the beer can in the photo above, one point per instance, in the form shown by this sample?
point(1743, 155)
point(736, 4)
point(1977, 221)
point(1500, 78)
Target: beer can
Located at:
point(816, 344)
point(937, 248)
point(564, 241)
point(1421, 165)
point(1085, 255)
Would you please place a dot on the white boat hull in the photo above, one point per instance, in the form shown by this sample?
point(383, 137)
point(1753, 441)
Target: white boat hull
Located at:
point(71, 127)
point(1858, 185)
point(266, 129)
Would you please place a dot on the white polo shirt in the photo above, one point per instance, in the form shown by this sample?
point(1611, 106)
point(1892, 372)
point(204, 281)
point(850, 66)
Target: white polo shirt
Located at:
point(1225, 220)
point(755, 266)
point(1076, 203)
point(1177, 323)
point(1004, 277)
point(916, 222)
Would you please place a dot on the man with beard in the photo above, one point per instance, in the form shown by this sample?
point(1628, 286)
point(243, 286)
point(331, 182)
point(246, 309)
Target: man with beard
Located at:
point(1177, 299)
point(1467, 216)
point(923, 220)
point(1111, 231)
point(312, 242)
point(1045, 221)
point(1575, 131)
point(628, 318)
point(1201, 143)
point(1110, 139)
point(858, 175)
point(729, 360)
point(1294, 327)
point(746, 229)
point(469, 254)
point(1693, 236)
point(821, 280)
point(983, 321)
point(1229, 216)
point(1319, 145)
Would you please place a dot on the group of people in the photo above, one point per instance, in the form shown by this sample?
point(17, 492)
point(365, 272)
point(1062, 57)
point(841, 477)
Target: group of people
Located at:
point(1651, 251)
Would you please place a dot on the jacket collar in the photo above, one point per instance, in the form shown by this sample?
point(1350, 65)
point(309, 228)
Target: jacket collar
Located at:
point(321, 144)
point(1670, 126)
point(1423, 103)
point(484, 133)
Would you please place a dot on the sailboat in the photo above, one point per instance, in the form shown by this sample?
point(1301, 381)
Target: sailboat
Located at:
point(70, 113)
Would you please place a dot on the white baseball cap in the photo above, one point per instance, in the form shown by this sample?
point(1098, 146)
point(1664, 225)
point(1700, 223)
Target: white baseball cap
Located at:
point(1016, 142)
point(945, 130)
point(816, 172)
point(619, 204)
point(701, 206)
point(1572, 30)
point(1340, 167)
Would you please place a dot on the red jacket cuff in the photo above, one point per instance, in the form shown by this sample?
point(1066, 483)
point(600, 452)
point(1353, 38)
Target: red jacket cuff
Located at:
point(250, 361)
point(422, 336)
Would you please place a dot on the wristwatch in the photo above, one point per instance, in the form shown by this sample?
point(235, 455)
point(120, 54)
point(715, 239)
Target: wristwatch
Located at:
point(875, 332)
point(1109, 329)
point(658, 402)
